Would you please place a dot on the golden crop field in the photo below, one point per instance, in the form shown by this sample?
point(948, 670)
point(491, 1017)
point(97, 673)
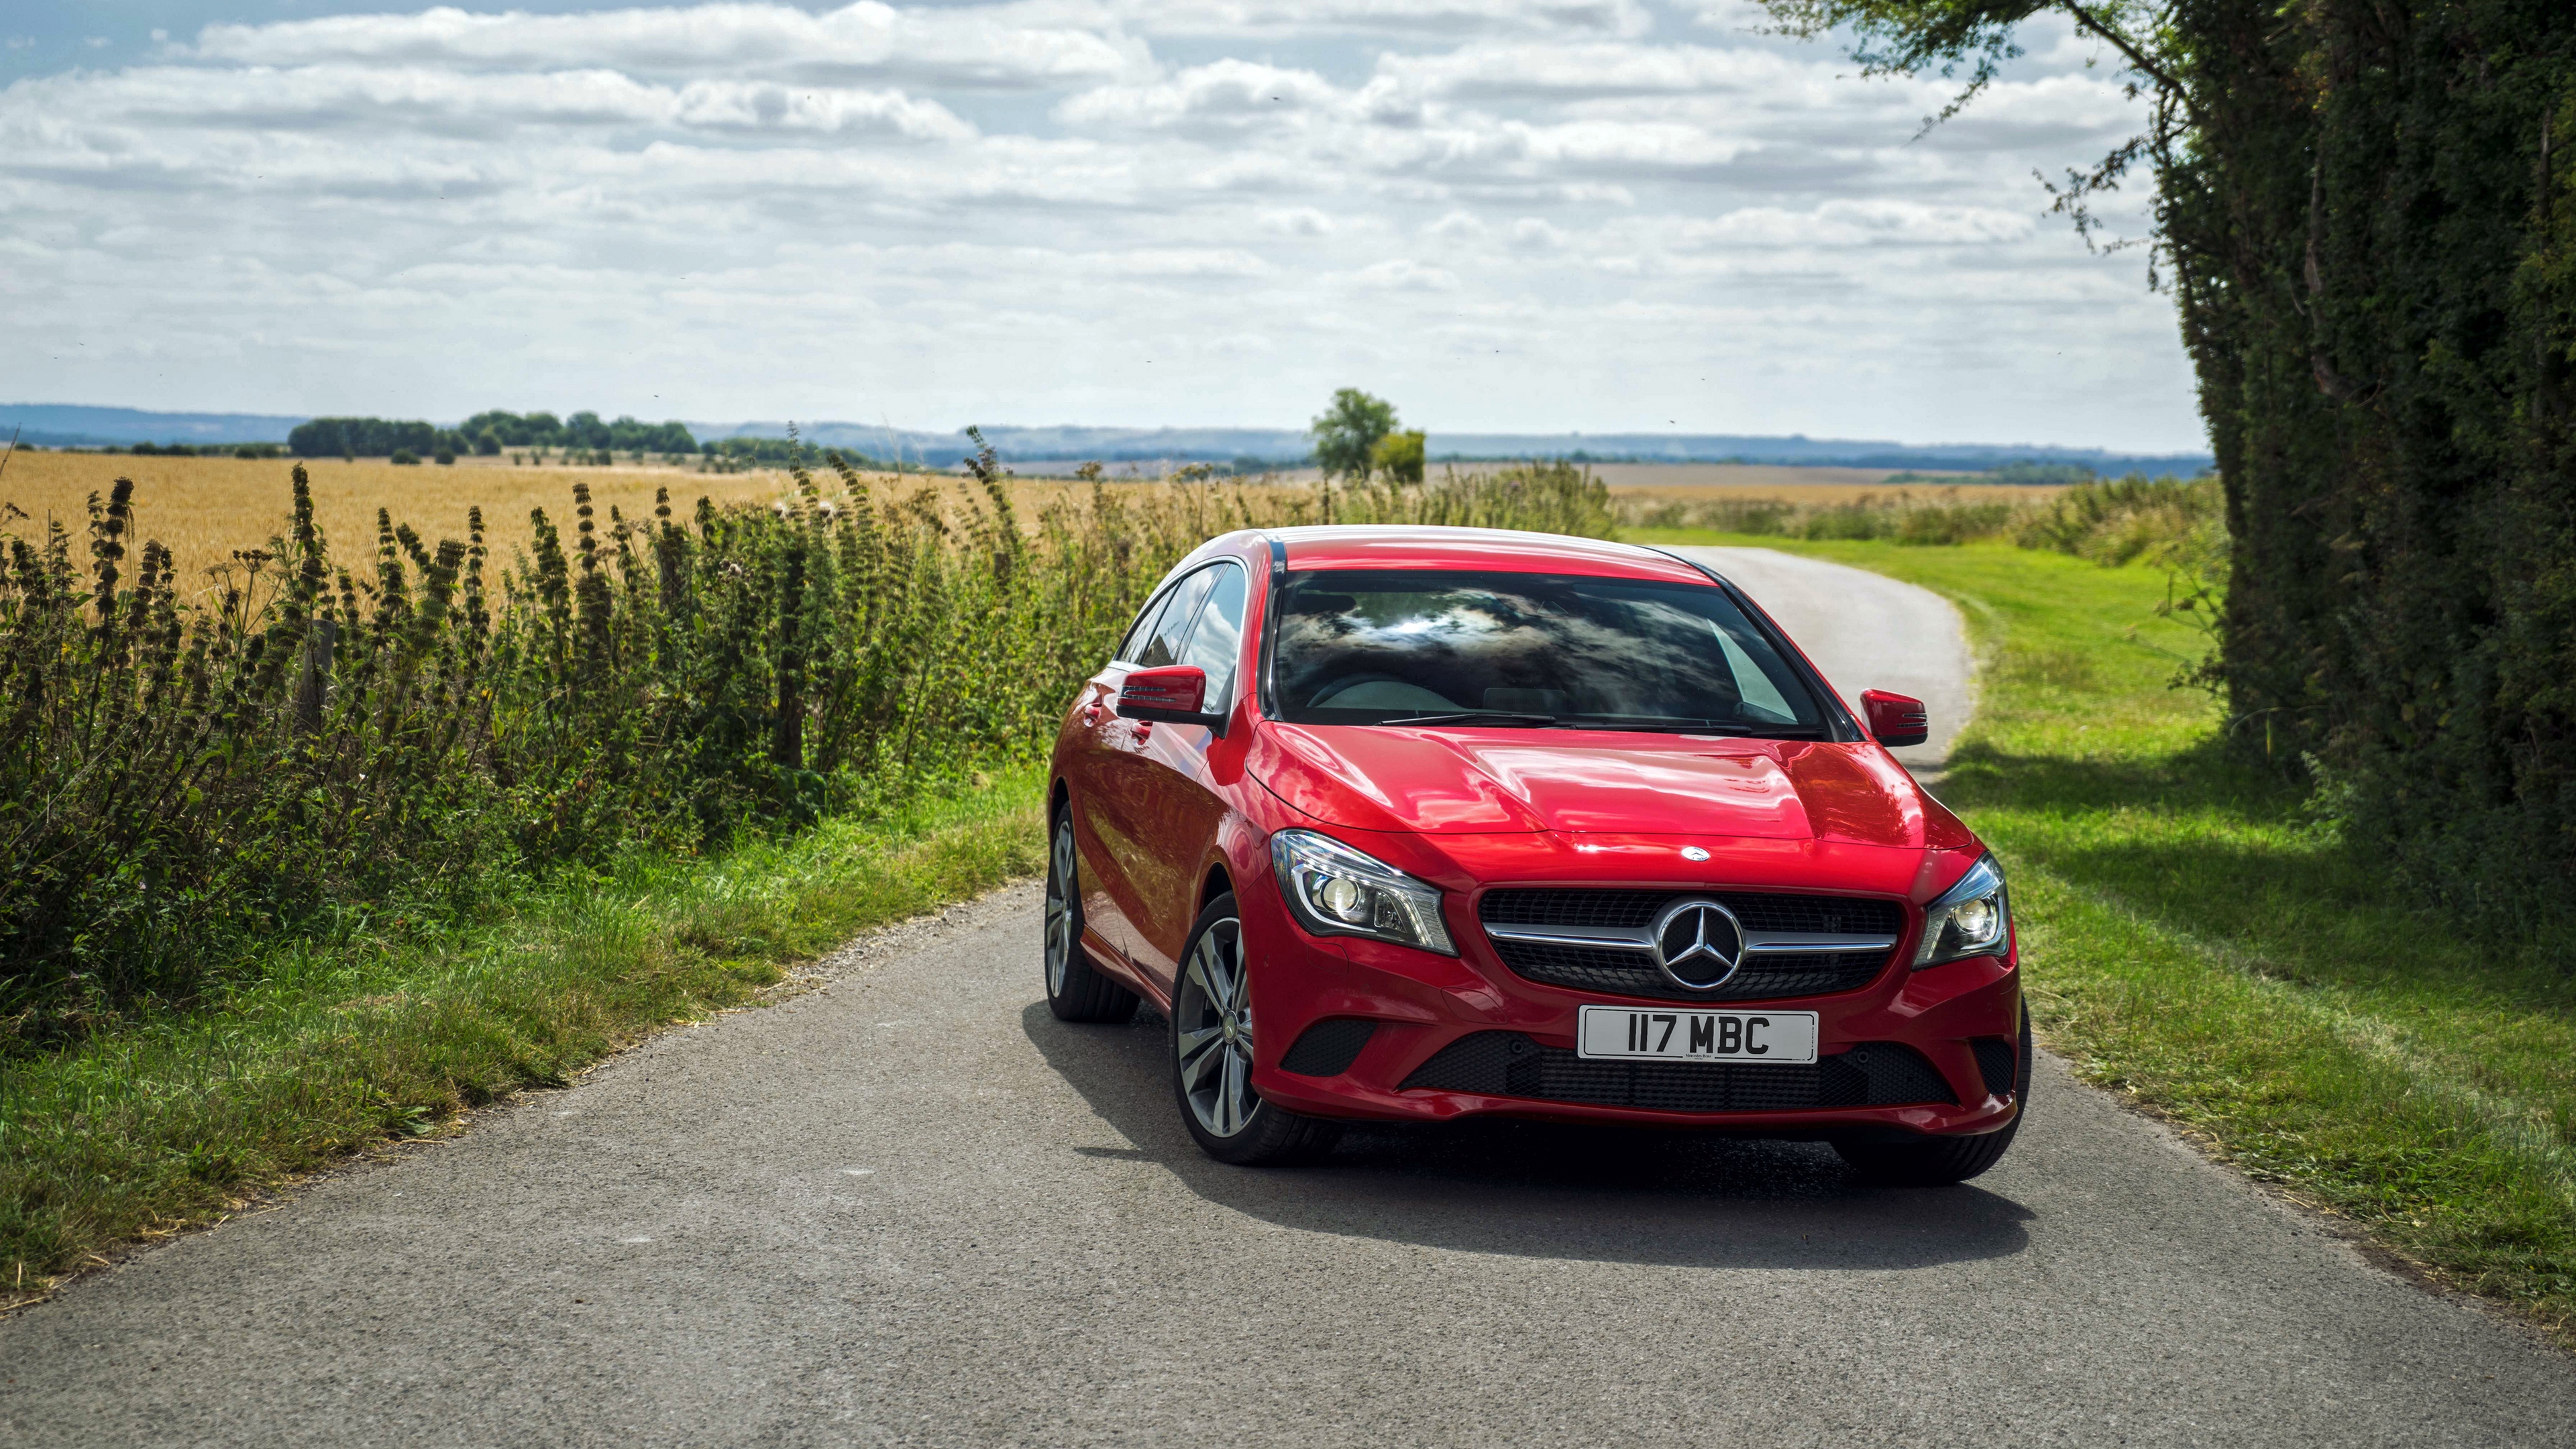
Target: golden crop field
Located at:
point(205, 508)
point(1694, 482)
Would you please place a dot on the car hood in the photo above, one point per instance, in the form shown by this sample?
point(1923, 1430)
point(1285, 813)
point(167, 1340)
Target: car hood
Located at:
point(1487, 781)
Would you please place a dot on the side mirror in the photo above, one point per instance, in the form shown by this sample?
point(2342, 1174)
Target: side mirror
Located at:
point(1895, 719)
point(1174, 694)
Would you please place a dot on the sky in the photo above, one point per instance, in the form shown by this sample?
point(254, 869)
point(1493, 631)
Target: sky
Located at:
point(1528, 216)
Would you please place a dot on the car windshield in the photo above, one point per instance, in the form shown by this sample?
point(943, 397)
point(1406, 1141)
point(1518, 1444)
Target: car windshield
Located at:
point(1538, 650)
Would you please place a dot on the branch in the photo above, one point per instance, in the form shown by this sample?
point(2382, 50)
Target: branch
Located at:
point(2137, 58)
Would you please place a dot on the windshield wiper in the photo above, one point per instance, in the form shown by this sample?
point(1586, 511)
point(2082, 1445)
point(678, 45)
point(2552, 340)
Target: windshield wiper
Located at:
point(1659, 724)
point(1474, 716)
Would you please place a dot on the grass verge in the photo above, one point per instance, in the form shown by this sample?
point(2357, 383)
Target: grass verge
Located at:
point(2197, 940)
point(388, 1029)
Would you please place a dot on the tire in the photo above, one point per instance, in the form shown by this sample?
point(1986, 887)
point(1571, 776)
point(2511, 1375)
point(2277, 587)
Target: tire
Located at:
point(1076, 989)
point(1940, 1161)
point(1210, 1043)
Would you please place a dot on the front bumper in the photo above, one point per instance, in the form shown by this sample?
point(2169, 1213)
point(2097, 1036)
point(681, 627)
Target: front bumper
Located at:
point(1423, 1005)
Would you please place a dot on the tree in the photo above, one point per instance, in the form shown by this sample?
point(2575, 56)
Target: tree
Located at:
point(1399, 456)
point(2366, 210)
point(1347, 433)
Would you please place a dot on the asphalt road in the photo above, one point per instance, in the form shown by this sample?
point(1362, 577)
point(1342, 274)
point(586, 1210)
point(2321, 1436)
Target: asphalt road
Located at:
point(911, 1207)
point(1865, 631)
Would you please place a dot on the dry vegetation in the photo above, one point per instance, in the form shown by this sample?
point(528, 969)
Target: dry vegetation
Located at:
point(1769, 478)
point(204, 508)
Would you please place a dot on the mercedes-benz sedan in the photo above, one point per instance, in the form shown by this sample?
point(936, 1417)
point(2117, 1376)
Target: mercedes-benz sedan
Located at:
point(1416, 824)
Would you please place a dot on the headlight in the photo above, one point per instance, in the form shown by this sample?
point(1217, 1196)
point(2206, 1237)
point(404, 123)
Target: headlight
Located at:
point(1334, 890)
point(1972, 918)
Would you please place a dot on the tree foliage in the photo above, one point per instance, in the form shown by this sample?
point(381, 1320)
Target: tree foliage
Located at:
point(1398, 457)
point(1347, 433)
point(2367, 212)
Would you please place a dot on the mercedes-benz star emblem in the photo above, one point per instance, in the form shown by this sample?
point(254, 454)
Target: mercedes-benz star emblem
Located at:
point(1698, 943)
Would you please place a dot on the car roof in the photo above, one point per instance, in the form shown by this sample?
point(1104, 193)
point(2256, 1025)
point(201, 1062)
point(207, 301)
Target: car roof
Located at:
point(1426, 547)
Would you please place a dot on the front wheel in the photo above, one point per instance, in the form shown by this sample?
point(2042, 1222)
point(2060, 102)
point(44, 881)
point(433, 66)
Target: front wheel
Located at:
point(1940, 1161)
point(1211, 1049)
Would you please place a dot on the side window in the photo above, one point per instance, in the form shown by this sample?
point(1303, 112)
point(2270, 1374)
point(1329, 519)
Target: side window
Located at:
point(1140, 631)
point(1163, 646)
point(1217, 641)
point(1757, 694)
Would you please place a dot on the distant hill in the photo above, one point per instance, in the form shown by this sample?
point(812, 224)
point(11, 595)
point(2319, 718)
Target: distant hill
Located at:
point(1286, 446)
point(58, 425)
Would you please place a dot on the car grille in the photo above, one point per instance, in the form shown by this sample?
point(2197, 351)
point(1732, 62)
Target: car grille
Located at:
point(1767, 976)
point(1857, 914)
point(1509, 1064)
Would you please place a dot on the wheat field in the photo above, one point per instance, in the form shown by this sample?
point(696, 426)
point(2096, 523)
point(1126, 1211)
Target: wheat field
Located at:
point(206, 508)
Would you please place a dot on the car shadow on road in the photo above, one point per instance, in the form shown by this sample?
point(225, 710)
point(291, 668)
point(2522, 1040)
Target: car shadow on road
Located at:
point(1543, 1190)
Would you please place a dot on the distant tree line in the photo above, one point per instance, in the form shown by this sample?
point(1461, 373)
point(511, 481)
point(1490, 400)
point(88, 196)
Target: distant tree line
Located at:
point(184, 450)
point(487, 433)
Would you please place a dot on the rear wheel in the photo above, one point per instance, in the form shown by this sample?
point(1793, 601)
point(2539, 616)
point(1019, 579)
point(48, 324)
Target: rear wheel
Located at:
point(1939, 1161)
point(1076, 990)
point(1211, 1040)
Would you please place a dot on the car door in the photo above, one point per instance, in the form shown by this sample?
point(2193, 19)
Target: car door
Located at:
point(1114, 804)
point(1180, 803)
point(1099, 734)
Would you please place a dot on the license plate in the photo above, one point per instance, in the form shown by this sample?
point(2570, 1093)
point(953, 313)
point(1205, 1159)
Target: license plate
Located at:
point(1697, 1036)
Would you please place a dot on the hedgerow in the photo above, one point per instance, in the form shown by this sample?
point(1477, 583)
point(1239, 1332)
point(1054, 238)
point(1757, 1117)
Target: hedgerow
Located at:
point(2367, 212)
point(323, 737)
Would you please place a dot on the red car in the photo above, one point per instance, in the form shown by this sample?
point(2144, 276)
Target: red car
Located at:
point(1415, 824)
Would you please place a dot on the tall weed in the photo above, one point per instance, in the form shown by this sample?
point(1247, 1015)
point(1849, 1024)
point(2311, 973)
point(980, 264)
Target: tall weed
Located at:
point(330, 736)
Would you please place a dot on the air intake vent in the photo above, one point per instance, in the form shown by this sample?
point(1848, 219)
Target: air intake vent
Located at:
point(1508, 1064)
point(1328, 1048)
point(1998, 1059)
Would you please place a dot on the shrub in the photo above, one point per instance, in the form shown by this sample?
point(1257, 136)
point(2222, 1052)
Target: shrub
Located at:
point(2178, 525)
point(445, 458)
point(1903, 516)
point(404, 457)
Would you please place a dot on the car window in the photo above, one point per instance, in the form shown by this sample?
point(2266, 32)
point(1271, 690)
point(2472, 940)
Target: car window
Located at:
point(1140, 631)
point(1367, 646)
point(1216, 641)
point(1163, 646)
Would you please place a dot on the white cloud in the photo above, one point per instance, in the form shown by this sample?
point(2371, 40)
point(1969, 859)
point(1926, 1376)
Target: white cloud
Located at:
point(977, 46)
point(1205, 211)
point(1401, 274)
point(1298, 221)
point(1230, 93)
point(1435, 18)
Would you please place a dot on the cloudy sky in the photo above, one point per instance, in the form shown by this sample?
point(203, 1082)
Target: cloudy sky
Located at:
point(1507, 215)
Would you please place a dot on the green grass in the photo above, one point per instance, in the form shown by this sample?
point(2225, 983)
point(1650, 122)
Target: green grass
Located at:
point(2195, 939)
point(389, 1028)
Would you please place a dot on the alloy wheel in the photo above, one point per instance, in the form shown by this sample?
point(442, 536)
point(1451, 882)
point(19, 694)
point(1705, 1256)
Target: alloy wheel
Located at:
point(1060, 944)
point(1212, 1021)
